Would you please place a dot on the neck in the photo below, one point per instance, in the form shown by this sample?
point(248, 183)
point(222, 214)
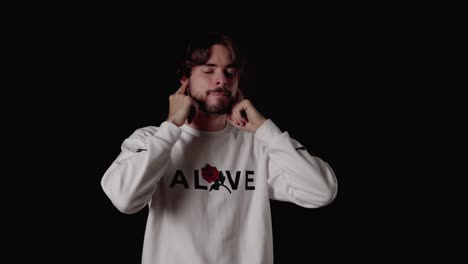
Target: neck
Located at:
point(208, 122)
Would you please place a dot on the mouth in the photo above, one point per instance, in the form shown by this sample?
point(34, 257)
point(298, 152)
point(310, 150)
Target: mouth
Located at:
point(219, 94)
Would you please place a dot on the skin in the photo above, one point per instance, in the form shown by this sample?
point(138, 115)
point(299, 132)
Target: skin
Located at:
point(213, 89)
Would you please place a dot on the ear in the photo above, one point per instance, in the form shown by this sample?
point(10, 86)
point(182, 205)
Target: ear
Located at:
point(182, 79)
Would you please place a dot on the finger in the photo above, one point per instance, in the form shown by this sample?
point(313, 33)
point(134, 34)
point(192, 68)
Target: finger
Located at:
point(238, 121)
point(183, 87)
point(239, 114)
point(240, 95)
point(244, 116)
point(232, 120)
point(234, 117)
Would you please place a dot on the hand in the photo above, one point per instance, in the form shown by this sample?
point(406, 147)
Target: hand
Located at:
point(245, 116)
point(181, 106)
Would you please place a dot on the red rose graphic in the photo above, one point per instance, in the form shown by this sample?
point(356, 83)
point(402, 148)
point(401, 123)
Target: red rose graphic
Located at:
point(210, 174)
point(213, 175)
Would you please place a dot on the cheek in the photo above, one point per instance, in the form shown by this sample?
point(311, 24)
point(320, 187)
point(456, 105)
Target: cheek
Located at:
point(235, 83)
point(197, 89)
point(199, 84)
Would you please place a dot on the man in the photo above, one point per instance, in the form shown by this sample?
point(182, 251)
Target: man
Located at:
point(207, 172)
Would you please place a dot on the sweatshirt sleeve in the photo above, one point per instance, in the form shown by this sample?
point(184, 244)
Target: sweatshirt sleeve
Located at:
point(294, 175)
point(132, 178)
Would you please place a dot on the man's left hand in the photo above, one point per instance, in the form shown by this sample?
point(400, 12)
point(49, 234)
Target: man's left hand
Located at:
point(245, 116)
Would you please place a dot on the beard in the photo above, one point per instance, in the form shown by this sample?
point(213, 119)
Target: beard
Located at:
point(211, 108)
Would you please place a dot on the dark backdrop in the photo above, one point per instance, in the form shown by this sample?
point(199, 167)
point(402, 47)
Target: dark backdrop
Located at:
point(337, 89)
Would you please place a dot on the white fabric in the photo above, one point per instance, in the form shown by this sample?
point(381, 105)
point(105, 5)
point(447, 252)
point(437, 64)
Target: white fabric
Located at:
point(163, 167)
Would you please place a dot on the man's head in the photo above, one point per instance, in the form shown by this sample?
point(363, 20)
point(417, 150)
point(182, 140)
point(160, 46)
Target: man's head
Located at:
point(212, 66)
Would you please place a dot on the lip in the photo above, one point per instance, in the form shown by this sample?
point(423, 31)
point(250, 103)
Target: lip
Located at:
point(218, 94)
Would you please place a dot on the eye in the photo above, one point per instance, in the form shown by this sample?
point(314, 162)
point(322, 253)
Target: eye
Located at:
point(232, 71)
point(207, 70)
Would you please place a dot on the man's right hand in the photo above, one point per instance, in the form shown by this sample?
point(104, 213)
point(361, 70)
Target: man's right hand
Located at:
point(181, 106)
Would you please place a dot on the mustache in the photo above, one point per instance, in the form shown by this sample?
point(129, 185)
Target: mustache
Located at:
point(223, 90)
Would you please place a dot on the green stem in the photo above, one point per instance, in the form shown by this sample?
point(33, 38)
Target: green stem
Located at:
point(226, 188)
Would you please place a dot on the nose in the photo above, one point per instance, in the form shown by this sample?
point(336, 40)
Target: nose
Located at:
point(221, 79)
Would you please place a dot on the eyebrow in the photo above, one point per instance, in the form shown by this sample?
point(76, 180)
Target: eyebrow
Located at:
point(215, 65)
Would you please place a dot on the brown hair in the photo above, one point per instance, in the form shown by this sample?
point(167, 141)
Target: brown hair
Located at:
point(198, 51)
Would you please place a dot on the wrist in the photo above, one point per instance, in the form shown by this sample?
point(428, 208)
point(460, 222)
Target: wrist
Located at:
point(171, 120)
point(260, 122)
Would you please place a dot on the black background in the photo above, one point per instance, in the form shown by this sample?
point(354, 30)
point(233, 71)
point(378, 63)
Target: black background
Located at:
point(339, 89)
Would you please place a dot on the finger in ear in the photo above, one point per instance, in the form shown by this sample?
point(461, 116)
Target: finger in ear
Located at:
point(239, 95)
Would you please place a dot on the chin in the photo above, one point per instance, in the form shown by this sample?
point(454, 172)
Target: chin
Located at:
point(219, 106)
point(219, 109)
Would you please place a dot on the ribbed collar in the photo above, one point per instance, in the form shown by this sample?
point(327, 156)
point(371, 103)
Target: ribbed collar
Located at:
point(197, 132)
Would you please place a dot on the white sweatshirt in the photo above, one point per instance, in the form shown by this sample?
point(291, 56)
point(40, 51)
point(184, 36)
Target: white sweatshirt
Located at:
point(208, 192)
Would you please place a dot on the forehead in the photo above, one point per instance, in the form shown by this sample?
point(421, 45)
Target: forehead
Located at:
point(219, 55)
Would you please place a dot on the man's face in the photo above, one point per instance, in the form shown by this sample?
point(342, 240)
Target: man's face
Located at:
point(214, 84)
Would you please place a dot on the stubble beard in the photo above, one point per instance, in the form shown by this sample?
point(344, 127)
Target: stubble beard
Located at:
point(217, 109)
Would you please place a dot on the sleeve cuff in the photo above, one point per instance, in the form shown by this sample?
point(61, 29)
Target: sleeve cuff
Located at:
point(169, 132)
point(267, 132)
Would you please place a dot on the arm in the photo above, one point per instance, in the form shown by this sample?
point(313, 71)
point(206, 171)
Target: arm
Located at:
point(294, 175)
point(132, 179)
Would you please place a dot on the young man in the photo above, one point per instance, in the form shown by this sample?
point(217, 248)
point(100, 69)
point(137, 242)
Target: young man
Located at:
point(207, 173)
